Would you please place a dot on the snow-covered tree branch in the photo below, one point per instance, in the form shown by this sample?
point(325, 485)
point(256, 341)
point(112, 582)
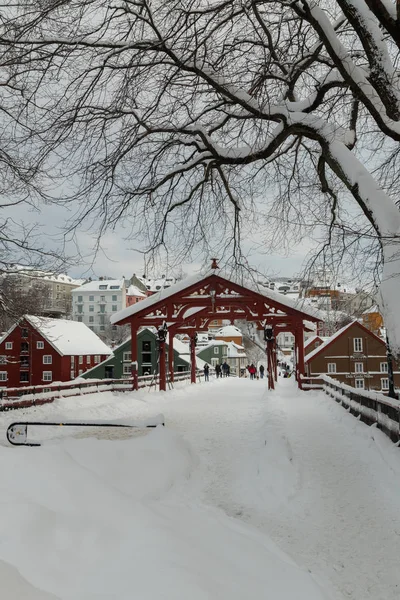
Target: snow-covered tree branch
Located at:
point(185, 118)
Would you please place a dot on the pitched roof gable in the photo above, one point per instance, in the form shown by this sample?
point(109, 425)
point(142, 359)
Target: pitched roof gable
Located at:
point(337, 335)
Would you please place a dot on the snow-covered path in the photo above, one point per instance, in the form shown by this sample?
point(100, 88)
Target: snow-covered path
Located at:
point(291, 467)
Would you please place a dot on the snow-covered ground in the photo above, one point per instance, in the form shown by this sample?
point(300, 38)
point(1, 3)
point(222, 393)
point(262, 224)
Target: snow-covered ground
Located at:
point(244, 494)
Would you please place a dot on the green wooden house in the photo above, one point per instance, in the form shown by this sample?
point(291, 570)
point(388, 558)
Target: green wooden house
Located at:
point(118, 365)
point(215, 353)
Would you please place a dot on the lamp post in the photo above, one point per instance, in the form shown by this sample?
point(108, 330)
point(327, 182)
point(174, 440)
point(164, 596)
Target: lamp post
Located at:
point(161, 338)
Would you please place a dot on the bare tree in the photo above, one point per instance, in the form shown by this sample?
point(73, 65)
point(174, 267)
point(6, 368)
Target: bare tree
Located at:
point(200, 123)
point(17, 300)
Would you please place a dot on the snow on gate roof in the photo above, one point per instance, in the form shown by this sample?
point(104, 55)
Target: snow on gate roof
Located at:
point(68, 337)
point(181, 286)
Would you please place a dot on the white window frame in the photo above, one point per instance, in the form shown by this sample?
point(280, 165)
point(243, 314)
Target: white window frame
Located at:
point(39, 345)
point(216, 350)
point(81, 359)
point(383, 367)
point(97, 359)
point(214, 362)
point(80, 299)
point(72, 374)
point(72, 360)
point(331, 367)
point(357, 367)
point(9, 346)
point(127, 369)
point(114, 308)
point(91, 307)
point(91, 319)
point(359, 384)
point(80, 372)
point(3, 359)
point(47, 376)
point(384, 387)
point(47, 359)
point(358, 344)
point(127, 357)
point(114, 298)
point(3, 376)
point(91, 298)
point(88, 359)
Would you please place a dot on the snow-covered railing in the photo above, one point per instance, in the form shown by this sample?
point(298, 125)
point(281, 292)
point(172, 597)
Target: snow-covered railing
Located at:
point(373, 408)
point(11, 398)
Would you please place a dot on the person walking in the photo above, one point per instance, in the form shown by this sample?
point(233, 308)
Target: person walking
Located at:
point(261, 369)
point(252, 371)
point(206, 372)
point(218, 371)
point(225, 369)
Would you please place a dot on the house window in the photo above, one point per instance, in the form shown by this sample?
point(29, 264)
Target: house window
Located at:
point(24, 332)
point(91, 307)
point(3, 375)
point(358, 345)
point(102, 308)
point(47, 359)
point(39, 345)
point(384, 367)
point(24, 361)
point(359, 367)
point(102, 328)
point(3, 360)
point(146, 346)
point(114, 328)
point(127, 356)
point(127, 369)
point(88, 359)
point(80, 371)
point(72, 374)
point(80, 309)
point(114, 298)
point(47, 375)
point(81, 360)
point(91, 298)
point(24, 347)
point(72, 360)
point(103, 287)
point(80, 318)
point(9, 345)
point(331, 367)
point(91, 319)
point(214, 362)
point(216, 350)
point(102, 298)
point(384, 383)
point(80, 298)
point(359, 383)
point(114, 307)
point(114, 287)
point(24, 376)
point(97, 358)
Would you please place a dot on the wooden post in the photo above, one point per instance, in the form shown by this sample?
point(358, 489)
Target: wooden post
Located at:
point(161, 358)
point(193, 359)
point(134, 355)
point(299, 350)
point(275, 362)
point(171, 356)
point(270, 365)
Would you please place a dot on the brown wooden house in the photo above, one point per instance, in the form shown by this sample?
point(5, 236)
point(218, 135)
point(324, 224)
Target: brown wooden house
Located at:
point(353, 355)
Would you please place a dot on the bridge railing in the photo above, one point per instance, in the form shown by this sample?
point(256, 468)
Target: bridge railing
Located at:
point(12, 398)
point(373, 408)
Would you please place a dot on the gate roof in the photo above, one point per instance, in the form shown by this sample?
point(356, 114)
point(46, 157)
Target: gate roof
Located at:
point(196, 301)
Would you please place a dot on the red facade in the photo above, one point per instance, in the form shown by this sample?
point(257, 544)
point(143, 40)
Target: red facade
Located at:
point(27, 358)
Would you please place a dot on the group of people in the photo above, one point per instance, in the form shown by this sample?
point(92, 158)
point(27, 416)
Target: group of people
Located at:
point(254, 374)
point(285, 369)
point(223, 370)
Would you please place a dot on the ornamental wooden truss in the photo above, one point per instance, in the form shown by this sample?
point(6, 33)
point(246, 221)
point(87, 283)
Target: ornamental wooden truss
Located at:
point(190, 306)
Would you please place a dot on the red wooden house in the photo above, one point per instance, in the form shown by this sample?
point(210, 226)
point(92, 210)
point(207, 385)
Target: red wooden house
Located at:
point(353, 355)
point(39, 350)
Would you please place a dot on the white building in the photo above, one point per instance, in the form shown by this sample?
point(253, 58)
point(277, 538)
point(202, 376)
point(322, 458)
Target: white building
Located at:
point(94, 302)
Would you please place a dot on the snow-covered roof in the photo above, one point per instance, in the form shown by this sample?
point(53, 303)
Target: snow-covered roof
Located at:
point(34, 273)
point(181, 286)
point(313, 338)
point(229, 330)
point(133, 290)
point(212, 344)
point(235, 351)
point(68, 337)
point(333, 337)
point(101, 285)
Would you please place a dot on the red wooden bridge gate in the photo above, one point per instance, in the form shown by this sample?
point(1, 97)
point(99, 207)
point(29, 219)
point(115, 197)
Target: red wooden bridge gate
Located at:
point(190, 305)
